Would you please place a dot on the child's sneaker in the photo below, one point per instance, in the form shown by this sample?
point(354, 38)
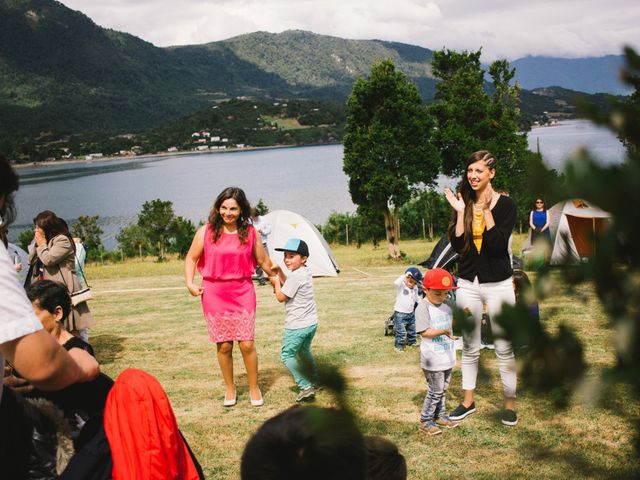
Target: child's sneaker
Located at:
point(509, 418)
point(446, 422)
point(398, 349)
point(306, 394)
point(430, 428)
point(461, 412)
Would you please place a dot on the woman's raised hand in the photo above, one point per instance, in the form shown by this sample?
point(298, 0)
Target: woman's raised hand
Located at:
point(39, 237)
point(487, 197)
point(456, 202)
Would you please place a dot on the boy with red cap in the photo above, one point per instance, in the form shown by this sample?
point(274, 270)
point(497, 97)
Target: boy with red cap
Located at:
point(437, 352)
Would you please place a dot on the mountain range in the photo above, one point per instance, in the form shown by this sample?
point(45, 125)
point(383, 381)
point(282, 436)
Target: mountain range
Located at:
point(60, 71)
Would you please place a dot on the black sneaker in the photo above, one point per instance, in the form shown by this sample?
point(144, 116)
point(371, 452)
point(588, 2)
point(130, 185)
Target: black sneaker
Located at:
point(462, 412)
point(509, 418)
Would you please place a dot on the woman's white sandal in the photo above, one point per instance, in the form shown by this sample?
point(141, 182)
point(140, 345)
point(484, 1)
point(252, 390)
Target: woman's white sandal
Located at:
point(230, 402)
point(257, 403)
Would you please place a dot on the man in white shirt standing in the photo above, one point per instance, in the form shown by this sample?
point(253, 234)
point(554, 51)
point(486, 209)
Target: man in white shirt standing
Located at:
point(38, 357)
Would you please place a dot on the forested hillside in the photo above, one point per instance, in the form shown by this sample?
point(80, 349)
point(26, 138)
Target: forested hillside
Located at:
point(61, 71)
point(61, 74)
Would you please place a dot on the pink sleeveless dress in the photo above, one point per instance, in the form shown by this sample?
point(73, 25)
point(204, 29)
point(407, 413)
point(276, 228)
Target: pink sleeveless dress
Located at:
point(229, 298)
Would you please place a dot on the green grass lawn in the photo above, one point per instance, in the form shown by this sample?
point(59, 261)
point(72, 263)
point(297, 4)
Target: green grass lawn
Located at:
point(284, 123)
point(146, 319)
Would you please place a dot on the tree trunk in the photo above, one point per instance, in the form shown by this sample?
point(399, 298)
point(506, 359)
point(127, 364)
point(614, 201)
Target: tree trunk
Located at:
point(391, 231)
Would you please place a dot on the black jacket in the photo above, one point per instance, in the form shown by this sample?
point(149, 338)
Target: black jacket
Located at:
point(492, 264)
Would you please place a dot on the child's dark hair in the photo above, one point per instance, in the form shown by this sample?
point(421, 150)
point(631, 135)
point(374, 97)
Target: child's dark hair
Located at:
point(384, 461)
point(312, 443)
point(215, 221)
point(49, 296)
point(521, 282)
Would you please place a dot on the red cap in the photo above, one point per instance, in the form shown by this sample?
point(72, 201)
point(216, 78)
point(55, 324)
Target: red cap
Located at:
point(438, 279)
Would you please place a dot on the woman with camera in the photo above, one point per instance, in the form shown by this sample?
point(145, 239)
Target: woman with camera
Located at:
point(54, 258)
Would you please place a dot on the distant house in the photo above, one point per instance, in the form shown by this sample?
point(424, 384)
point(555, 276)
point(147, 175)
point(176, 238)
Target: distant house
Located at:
point(195, 135)
point(201, 140)
point(224, 140)
point(206, 134)
point(215, 139)
point(201, 148)
point(240, 145)
point(172, 149)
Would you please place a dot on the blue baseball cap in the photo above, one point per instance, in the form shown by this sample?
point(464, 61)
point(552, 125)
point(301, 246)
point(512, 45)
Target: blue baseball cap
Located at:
point(415, 273)
point(295, 245)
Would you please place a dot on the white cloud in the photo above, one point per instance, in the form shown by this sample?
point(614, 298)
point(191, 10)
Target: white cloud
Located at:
point(503, 28)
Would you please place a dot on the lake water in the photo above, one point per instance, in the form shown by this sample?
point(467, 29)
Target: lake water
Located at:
point(560, 141)
point(308, 180)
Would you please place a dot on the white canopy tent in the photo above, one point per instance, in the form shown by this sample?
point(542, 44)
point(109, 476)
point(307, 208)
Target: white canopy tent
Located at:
point(285, 225)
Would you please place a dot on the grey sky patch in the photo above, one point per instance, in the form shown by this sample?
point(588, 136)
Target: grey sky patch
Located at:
point(503, 28)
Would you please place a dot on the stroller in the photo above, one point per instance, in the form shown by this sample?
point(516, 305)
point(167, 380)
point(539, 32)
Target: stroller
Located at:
point(442, 256)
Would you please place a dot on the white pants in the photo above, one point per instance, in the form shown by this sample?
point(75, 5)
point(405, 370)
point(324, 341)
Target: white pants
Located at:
point(471, 296)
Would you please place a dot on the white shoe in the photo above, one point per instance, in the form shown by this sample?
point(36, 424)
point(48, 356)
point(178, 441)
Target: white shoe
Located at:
point(257, 403)
point(230, 402)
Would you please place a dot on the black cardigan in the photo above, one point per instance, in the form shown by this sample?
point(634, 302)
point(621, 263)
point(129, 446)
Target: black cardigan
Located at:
point(492, 264)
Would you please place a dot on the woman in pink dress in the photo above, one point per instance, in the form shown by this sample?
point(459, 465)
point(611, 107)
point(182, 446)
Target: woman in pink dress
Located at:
point(226, 251)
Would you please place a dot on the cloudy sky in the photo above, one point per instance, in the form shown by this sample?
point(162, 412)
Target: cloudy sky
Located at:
point(503, 28)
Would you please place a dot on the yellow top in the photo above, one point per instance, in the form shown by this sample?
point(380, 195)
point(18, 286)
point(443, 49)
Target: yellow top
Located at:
point(477, 228)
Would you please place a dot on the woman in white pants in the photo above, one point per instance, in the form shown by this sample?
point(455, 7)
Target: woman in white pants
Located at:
point(482, 224)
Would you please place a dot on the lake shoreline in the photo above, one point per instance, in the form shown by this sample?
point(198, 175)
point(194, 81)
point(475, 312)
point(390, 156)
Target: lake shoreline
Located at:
point(93, 161)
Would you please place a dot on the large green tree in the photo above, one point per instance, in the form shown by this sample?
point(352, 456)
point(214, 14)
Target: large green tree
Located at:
point(87, 229)
point(132, 240)
point(157, 221)
point(387, 150)
point(182, 232)
point(472, 115)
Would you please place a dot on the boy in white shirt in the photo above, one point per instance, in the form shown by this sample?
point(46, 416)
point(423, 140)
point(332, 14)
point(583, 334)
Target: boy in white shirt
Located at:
point(404, 320)
point(301, 316)
point(437, 351)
